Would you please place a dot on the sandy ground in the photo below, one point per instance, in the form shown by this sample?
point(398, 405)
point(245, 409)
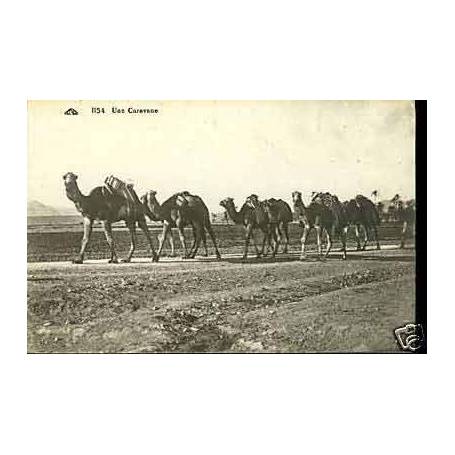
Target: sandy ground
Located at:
point(232, 305)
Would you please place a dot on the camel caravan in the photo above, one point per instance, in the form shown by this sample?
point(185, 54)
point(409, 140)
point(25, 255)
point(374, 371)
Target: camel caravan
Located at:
point(117, 201)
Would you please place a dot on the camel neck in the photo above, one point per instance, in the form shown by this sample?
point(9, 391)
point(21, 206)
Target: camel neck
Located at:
point(235, 216)
point(299, 205)
point(156, 210)
point(74, 194)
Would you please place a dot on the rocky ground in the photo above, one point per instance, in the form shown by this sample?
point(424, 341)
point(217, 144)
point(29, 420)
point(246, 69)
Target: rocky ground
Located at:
point(230, 306)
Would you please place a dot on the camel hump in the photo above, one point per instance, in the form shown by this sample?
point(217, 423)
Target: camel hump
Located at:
point(361, 199)
point(331, 202)
point(368, 209)
point(118, 187)
point(191, 203)
point(278, 210)
point(184, 198)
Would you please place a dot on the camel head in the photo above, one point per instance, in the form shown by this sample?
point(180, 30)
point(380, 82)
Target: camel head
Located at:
point(69, 177)
point(149, 198)
point(395, 199)
point(72, 190)
point(253, 201)
point(296, 196)
point(316, 197)
point(151, 205)
point(227, 202)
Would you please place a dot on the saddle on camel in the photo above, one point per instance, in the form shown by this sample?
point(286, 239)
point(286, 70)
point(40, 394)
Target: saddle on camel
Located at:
point(115, 186)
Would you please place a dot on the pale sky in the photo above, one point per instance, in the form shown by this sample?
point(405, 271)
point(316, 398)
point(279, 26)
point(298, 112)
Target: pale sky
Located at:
point(225, 148)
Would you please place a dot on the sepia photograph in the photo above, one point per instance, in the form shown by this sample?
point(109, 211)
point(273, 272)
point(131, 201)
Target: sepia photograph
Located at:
point(223, 227)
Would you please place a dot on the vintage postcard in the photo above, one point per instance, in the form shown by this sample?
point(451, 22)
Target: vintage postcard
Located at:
point(222, 227)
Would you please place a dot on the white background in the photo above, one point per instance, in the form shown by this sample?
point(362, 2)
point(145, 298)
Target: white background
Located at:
point(376, 404)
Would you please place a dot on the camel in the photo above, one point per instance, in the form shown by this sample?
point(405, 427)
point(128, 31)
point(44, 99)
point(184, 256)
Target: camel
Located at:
point(180, 210)
point(408, 218)
point(314, 216)
point(362, 212)
point(395, 207)
point(325, 213)
point(108, 207)
point(251, 218)
point(405, 214)
point(280, 215)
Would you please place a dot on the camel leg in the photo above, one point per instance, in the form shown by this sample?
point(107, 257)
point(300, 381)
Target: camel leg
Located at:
point(182, 242)
point(278, 236)
point(265, 251)
point(276, 242)
point(199, 234)
point(357, 236)
point(403, 234)
point(170, 238)
point(323, 242)
point(286, 237)
point(171, 243)
point(318, 237)
point(265, 240)
point(110, 240)
point(344, 234)
point(329, 243)
point(143, 225)
point(248, 231)
point(204, 242)
point(274, 239)
point(212, 236)
point(365, 229)
point(306, 230)
point(375, 230)
point(162, 239)
point(256, 249)
point(132, 228)
point(88, 224)
point(193, 245)
point(160, 242)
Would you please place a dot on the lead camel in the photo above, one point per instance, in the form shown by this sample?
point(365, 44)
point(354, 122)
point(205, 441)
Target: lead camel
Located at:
point(108, 207)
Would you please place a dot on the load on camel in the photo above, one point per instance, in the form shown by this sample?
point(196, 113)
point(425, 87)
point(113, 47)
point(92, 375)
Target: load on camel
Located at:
point(112, 202)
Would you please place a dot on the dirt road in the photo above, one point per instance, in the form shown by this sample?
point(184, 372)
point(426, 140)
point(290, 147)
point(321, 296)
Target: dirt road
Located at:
point(230, 306)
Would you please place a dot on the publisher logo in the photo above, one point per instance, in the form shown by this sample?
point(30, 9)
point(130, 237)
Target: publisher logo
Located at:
point(410, 337)
point(71, 111)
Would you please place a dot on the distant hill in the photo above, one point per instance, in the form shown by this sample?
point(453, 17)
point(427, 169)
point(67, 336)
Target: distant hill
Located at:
point(36, 208)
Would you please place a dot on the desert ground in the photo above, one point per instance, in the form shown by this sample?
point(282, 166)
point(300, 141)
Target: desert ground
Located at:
point(256, 305)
